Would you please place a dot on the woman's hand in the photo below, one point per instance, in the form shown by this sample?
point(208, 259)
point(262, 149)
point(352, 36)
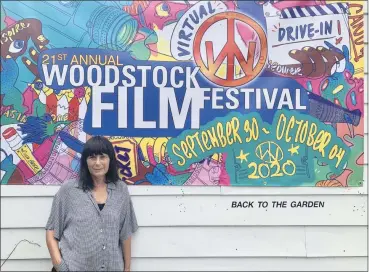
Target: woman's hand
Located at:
point(127, 254)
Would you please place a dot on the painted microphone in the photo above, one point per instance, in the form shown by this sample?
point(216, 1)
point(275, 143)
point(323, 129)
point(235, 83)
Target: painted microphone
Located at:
point(108, 26)
point(327, 111)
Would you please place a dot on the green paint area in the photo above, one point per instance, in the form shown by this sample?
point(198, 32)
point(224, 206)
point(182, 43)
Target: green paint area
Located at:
point(356, 178)
point(262, 154)
point(2, 18)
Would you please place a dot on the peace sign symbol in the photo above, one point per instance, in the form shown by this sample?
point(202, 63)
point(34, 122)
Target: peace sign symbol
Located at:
point(230, 51)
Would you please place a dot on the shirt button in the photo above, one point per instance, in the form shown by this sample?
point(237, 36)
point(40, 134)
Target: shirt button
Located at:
point(104, 247)
point(101, 230)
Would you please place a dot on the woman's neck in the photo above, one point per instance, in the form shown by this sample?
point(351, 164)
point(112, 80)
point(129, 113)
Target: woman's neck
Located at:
point(99, 183)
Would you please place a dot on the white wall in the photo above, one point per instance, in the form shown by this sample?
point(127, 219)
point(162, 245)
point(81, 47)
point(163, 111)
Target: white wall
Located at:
point(195, 228)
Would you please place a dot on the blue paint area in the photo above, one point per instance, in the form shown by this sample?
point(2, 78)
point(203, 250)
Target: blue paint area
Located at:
point(35, 129)
point(8, 167)
point(159, 176)
point(71, 141)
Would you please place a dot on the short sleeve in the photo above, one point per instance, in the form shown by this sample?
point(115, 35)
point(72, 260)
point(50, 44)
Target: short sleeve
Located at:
point(56, 221)
point(129, 222)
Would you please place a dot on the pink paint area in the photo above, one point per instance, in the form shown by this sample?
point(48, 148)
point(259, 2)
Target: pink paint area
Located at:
point(343, 178)
point(224, 179)
point(172, 171)
point(29, 96)
point(43, 152)
point(347, 132)
point(41, 155)
point(288, 4)
point(171, 9)
point(355, 97)
point(150, 154)
point(230, 4)
point(249, 35)
point(9, 21)
point(61, 168)
point(79, 92)
point(360, 159)
point(205, 174)
point(59, 165)
point(141, 36)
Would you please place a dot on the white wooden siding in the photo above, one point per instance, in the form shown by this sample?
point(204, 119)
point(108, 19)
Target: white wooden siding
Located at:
point(206, 210)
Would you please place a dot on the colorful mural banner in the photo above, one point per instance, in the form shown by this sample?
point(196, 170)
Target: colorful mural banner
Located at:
point(231, 93)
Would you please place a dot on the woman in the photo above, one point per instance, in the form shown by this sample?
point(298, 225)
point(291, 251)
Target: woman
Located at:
point(92, 219)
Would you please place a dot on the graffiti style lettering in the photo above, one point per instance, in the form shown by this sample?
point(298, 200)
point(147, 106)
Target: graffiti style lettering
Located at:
point(270, 151)
point(356, 21)
point(301, 32)
point(188, 25)
point(305, 132)
point(126, 154)
point(8, 35)
point(184, 35)
point(284, 69)
point(219, 135)
point(271, 155)
point(59, 117)
point(264, 170)
point(14, 114)
point(123, 161)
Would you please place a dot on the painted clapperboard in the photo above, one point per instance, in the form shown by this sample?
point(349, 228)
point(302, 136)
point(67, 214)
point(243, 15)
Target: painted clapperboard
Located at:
point(307, 28)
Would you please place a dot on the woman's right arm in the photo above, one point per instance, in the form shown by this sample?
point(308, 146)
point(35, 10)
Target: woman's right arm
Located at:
point(54, 229)
point(53, 246)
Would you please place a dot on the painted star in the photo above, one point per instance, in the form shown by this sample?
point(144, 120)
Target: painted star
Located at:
point(294, 150)
point(274, 162)
point(242, 156)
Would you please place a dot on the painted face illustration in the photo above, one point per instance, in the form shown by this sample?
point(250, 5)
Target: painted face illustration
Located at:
point(22, 41)
point(156, 14)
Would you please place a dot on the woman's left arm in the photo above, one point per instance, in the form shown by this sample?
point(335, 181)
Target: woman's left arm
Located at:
point(129, 227)
point(126, 247)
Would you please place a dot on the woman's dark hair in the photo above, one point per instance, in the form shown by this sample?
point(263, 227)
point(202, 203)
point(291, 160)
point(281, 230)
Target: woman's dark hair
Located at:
point(97, 145)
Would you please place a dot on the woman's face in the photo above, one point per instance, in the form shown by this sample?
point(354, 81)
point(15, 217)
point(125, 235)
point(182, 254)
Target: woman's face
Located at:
point(98, 165)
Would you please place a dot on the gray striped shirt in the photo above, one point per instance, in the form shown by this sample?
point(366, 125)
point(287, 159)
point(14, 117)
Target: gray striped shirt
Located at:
point(90, 239)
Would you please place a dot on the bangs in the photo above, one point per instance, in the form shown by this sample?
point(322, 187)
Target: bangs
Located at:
point(97, 146)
